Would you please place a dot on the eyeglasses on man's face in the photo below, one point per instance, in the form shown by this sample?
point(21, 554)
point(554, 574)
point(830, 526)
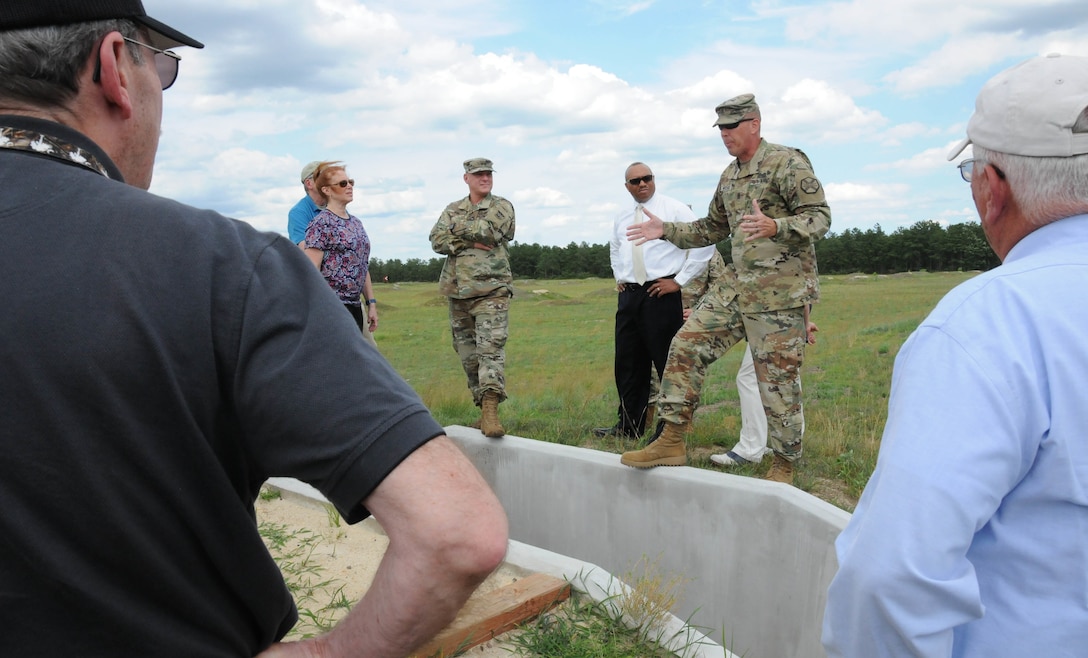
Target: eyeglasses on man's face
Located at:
point(166, 63)
point(967, 168)
point(730, 126)
point(642, 179)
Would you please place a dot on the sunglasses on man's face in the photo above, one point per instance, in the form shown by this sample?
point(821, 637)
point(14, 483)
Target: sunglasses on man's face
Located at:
point(644, 179)
point(166, 64)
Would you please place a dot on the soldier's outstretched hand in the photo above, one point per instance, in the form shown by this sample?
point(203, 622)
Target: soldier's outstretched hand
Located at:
point(651, 229)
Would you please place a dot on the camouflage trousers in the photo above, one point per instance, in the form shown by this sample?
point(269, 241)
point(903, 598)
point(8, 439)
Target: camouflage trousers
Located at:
point(777, 340)
point(479, 326)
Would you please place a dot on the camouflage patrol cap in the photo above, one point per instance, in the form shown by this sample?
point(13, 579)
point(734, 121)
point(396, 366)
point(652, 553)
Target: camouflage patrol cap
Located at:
point(476, 165)
point(735, 109)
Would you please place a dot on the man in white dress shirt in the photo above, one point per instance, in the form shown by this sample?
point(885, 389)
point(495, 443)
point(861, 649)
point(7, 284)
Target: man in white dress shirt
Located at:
point(650, 307)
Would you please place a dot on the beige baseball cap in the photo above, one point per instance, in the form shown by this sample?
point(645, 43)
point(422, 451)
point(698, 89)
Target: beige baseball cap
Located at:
point(1030, 109)
point(308, 170)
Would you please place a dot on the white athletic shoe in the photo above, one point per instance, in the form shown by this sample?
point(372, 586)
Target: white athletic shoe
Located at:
point(730, 459)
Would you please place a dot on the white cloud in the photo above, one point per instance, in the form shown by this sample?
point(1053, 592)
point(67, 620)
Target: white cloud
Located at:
point(954, 61)
point(900, 134)
point(928, 161)
point(856, 192)
point(814, 107)
point(541, 197)
point(404, 92)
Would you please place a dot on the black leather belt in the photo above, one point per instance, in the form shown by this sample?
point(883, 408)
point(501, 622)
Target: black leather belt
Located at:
point(635, 286)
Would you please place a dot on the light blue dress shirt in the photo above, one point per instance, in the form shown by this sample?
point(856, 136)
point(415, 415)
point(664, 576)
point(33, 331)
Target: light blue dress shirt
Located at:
point(971, 538)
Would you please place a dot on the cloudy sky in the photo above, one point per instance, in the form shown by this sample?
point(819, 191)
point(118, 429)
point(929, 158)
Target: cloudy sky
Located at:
point(562, 95)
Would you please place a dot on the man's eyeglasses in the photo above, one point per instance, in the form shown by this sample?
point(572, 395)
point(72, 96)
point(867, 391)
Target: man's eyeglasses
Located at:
point(166, 63)
point(967, 167)
point(644, 179)
point(730, 126)
point(345, 182)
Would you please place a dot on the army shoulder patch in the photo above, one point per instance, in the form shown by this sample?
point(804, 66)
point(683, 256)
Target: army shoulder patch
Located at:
point(810, 185)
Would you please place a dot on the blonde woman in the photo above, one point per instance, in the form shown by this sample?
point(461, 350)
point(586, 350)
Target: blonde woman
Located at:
point(339, 246)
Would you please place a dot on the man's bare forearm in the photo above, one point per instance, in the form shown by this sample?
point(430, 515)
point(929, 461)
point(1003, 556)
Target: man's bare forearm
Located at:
point(447, 532)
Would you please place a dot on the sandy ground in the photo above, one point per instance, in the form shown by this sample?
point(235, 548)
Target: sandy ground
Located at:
point(349, 555)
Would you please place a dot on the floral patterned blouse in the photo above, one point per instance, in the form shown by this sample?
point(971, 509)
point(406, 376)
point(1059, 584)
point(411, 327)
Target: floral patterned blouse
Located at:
point(347, 253)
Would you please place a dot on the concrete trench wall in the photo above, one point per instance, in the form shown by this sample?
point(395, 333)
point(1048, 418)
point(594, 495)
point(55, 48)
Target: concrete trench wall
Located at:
point(759, 555)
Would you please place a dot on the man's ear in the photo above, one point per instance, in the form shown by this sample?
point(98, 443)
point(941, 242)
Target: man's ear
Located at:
point(115, 70)
point(997, 192)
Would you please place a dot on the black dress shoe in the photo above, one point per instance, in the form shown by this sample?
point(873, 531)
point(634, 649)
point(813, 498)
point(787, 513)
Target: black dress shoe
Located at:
point(615, 430)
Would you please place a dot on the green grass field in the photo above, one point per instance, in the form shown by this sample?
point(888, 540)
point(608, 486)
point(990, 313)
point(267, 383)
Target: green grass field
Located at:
point(559, 369)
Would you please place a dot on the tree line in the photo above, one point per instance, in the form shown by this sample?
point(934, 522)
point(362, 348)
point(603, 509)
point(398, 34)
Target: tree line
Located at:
point(926, 245)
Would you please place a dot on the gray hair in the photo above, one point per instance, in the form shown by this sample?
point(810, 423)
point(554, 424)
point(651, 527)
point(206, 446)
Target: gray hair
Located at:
point(1046, 189)
point(41, 66)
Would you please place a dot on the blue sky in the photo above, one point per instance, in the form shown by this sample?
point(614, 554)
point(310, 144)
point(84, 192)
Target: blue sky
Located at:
point(564, 95)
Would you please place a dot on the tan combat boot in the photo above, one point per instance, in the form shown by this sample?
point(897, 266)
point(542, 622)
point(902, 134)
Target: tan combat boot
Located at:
point(667, 450)
point(489, 423)
point(650, 418)
point(781, 470)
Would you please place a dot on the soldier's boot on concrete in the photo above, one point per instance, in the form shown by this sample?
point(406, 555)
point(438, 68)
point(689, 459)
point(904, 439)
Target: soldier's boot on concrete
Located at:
point(489, 422)
point(781, 470)
point(667, 450)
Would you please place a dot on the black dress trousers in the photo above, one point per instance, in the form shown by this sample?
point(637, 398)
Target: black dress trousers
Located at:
point(645, 326)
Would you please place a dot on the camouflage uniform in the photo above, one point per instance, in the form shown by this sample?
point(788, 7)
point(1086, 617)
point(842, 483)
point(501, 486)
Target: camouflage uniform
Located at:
point(692, 294)
point(715, 270)
point(762, 298)
point(479, 285)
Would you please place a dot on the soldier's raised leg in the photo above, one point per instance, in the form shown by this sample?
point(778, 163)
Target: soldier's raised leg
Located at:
point(711, 330)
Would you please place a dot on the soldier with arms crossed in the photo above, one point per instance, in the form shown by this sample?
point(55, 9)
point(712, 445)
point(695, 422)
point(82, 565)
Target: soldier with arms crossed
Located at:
point(473, 234)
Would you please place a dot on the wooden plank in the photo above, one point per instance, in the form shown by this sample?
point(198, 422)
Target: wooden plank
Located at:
point(484, 617)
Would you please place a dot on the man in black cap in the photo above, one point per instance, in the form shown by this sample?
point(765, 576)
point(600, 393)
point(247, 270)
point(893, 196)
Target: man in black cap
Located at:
point(161, 363)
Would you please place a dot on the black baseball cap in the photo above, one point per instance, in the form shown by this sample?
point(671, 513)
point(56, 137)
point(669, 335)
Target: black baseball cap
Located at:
point(22, 14)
